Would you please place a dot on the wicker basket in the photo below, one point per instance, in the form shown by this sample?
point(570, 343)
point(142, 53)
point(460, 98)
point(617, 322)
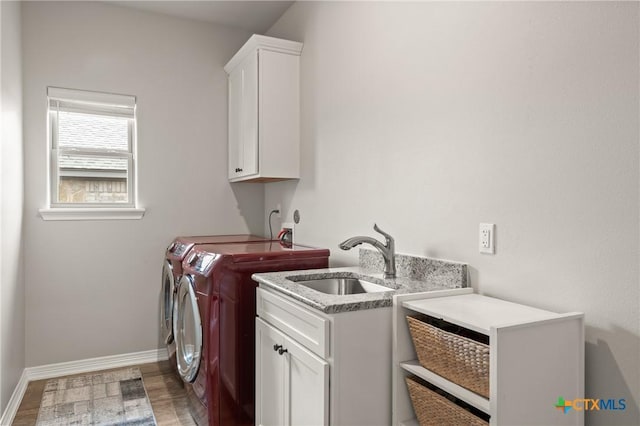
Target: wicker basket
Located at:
point(456, 358)
point(433, 409)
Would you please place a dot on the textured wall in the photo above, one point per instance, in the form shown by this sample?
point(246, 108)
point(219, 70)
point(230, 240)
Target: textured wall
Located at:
point(12, 305)
point(431, 117)
point(93, 288)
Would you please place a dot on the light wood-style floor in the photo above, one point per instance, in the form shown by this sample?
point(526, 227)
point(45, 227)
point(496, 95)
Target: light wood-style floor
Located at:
point(165, 390)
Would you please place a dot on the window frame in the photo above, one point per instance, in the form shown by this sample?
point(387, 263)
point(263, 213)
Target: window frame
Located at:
point(100, 104)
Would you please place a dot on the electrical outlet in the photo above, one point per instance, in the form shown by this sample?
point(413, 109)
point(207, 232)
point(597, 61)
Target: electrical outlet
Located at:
point(292, 229)
point(487, 238)
point(279, 208)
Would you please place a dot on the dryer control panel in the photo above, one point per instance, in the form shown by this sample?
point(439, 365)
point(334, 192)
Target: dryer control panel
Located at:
point(180, 249)
point(202, 262)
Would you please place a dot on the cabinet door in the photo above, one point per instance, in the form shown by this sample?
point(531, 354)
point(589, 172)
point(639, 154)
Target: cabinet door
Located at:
point(243, 118)
point(235, 128)
point(306, 387)
point(269, 376)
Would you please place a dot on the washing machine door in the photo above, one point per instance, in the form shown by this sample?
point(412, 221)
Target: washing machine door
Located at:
point(166, 306)
point(187, 329)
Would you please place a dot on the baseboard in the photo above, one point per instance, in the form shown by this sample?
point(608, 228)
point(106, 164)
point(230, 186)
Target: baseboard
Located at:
point(94, 364)
point(75, 367)
point(15, 400)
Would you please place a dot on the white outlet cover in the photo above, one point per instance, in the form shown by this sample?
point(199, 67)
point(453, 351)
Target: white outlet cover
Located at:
point(486, 238)
point(292, 226)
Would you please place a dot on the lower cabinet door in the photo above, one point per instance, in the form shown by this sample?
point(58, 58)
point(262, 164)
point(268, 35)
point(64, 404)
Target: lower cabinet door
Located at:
point(292, 383)
point(270, 374)
point(306, 387)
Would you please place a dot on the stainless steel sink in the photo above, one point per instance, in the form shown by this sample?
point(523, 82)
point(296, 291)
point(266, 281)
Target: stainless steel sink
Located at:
point(343, 286)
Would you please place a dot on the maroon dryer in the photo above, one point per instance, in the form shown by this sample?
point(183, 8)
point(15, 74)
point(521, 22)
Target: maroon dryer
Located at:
point(171, 272)
point(214, 323)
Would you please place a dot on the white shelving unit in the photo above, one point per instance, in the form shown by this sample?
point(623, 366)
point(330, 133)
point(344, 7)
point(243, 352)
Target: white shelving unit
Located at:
point(535, 357)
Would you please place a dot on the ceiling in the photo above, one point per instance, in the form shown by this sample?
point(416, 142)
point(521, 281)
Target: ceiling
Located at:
point(253, 16)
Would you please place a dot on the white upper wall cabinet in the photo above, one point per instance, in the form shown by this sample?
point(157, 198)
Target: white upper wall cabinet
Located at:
point(264, 110)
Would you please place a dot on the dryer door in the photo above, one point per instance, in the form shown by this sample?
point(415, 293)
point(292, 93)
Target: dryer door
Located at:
point(166, 305)
point(188, 329)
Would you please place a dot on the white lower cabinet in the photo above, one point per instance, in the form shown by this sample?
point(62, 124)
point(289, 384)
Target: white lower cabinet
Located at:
point(270, 396)
point(315, 369)
point(291, 382)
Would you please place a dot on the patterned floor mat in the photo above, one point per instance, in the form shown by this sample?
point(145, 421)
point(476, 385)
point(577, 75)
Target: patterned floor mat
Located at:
point(110, 398)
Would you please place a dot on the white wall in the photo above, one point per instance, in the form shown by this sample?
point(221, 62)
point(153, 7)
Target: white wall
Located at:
point(429, 118)
point(12, 307)
point(93, 287)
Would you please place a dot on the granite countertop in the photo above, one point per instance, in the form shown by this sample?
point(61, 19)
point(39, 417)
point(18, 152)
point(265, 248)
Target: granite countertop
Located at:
point(415, 274)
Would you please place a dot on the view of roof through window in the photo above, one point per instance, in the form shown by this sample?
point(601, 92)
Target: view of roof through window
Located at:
point(92, 178)
point(82, 130)
point(79, 130)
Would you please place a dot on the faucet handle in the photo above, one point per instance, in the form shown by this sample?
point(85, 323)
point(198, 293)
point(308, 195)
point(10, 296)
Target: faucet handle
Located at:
point(388, 237)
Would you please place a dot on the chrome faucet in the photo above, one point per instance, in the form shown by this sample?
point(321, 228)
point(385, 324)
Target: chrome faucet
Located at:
point(388, 250)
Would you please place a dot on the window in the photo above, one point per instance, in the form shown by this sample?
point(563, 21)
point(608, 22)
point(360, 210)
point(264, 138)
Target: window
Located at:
point(91, 152)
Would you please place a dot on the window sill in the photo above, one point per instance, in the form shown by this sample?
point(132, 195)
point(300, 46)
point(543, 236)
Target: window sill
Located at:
point(91, 213)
